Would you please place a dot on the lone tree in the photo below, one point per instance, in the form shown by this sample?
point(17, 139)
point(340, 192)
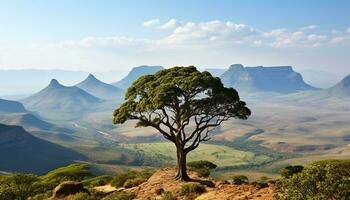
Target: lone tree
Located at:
point(184, 105)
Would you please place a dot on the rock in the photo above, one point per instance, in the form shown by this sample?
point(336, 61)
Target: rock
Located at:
point(68, 188)
point(158, 190)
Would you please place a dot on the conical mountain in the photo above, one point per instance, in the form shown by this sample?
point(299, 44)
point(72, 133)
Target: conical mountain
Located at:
point(135, 73)
point(11, 106)
point(281, 79)
point(22, 152)
point(100, 89)
point(56, 98)
point(341, 89)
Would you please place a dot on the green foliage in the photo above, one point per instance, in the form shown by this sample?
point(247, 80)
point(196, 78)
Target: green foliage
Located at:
point(167, 195)
point(132, 177)
point(17, 187)
point(192, 187)
point(80, 196)
point(97, 181)
point(134, 182)
point(322, 180)
point(167, 87)
point(73, 172)
point(240, 179)
point(203, 167)
point(120, 196)
point(291, 170)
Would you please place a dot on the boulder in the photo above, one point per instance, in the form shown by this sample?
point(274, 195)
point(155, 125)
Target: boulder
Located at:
point(68, 188)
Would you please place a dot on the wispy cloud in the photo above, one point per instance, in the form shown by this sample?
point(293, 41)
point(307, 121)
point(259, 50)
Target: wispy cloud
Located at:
point(310, 27)
point(172, 23)
point(151, 23)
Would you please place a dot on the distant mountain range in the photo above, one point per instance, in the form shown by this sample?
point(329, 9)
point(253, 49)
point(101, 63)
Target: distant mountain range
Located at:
point(135, 73)
point(11, 106)
point(22, 152)
point(57, 98)
point(264, 79)
point(100, 89)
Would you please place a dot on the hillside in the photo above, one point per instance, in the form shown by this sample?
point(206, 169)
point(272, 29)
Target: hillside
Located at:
point(57, 99)
point(100, 89)
point(11, 106)
point(163, 179)
point(264, 79)
point(135, 73)
point(27, 154)
point(341, 89)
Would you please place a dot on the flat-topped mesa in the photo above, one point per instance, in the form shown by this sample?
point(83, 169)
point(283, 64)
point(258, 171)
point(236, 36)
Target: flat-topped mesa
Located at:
point(281, 79)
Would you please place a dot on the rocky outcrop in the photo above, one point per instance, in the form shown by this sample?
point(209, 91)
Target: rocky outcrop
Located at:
point(68, 188)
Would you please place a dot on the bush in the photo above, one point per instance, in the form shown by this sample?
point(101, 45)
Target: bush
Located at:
point(320, 180)
point(134, 182)
point(240, 179)
point(120, 180)
point(19, 186)
point(167, 195)
point(290, 170)
point(97, 181)
point(79, 196)
point(202, 167)
point(73, 172)
point(120, 196)
point(192, 187)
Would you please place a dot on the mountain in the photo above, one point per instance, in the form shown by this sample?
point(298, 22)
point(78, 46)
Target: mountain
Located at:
point(56, 99)
point(30, 122)
point(215, 71)
point(282, 79)
point(341, 89)
point(22, 152)
point(11, 106)
point(135, 73)
point(100, 89)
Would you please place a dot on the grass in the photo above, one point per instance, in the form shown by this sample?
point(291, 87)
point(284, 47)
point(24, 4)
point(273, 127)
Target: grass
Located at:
point(221, 155)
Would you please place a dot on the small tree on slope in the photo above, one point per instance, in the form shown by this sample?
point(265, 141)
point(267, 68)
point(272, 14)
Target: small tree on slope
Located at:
point(184, 105)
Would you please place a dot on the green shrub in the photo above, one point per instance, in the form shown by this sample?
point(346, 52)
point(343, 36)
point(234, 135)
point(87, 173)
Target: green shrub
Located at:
point(167, 195)
point(134, 182)
point(97, 181)
point(202, 167)
point(240, 179)
point(192, 187)
point(79, 196)
point(322, 180)
point(120, 196)
point(290, 170)
point(19, 186)
point(120, 180)
point(73, 172)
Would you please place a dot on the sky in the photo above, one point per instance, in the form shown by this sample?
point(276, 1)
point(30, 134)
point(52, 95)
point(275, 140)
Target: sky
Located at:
point(313, 36)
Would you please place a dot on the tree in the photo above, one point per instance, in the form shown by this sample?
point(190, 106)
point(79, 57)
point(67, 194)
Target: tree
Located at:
point(184, 105)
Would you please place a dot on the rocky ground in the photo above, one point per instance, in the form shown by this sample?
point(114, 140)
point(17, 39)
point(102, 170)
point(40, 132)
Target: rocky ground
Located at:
point(163, 180)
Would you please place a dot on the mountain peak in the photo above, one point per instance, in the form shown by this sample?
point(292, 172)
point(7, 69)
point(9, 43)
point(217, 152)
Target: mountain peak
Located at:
point(236, 66)
point(346, 81)
point(54, 83)
point(91, 76)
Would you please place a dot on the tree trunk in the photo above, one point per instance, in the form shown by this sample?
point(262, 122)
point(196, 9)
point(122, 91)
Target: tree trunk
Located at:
point(181, 165)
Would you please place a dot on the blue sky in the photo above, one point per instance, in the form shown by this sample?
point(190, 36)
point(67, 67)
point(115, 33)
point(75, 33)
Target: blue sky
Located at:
point(116, 35)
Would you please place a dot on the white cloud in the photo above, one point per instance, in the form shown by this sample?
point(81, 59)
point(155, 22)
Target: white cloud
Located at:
point(172, 23)
point(348, 30)
point(218, 32)
point(151, 23)
point(310, 27)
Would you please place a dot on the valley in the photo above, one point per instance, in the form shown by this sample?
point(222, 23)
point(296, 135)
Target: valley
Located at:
point(281, 130)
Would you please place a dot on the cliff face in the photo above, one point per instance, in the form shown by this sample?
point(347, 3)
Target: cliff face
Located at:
point(281, 79)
